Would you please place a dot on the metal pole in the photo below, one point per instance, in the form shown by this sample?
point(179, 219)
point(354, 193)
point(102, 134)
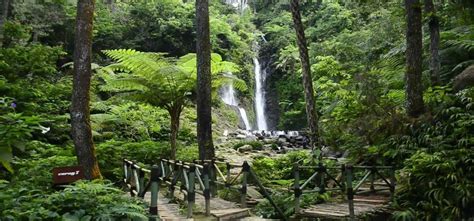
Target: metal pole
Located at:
point(155, 185)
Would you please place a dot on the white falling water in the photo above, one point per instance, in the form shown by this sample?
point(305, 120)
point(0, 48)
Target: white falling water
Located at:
point(259, 95)
point(241, 5)
point(227, 94)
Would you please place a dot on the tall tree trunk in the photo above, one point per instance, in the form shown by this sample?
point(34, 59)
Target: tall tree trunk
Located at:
point(80, 114)
point(174, 112)
point(433, 24)
point(4, 9)
point(414, 87)
point(203, 50)
point(307, 79)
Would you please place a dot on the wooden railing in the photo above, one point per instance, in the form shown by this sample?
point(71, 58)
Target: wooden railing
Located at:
point(206, 175)
point(140, 180)
point(209, 176)
point(342, 179)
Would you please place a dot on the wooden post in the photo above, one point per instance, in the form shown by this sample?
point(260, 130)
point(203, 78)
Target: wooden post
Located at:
point(322, 181)
point(228, 167)
point(372, 178)
point(392, 181)
point(243, 190)
point(155, 185)
point(173, 180)
point(297, 189)
point(133, 181)
point(207, 194)
point(350, 192)
point(190, 189)
point(213, 178)
point(141, 183)
point(265, 193)
point(125, 171)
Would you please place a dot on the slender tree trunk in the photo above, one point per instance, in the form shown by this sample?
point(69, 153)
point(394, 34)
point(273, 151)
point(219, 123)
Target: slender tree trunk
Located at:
point(203, 50)
point(4, 9)
point(414, 87)
point(433, 24)
point(174, 112)
point(80, 113)
point(307, 79)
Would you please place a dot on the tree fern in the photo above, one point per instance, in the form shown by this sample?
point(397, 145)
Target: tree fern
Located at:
point(162, 81)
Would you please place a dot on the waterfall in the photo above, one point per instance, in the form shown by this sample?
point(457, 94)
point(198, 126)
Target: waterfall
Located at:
point(227, 94)
point(259, 95)
point(241, 5)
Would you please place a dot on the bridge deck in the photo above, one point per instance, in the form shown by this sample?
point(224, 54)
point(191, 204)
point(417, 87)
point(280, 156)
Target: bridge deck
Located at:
point(167, 210)
point(363, 205)
point(220, 209)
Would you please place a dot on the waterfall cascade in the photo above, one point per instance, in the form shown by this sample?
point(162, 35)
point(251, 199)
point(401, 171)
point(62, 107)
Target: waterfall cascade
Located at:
point(260, 75)
point(241, 5)
point(227, 94)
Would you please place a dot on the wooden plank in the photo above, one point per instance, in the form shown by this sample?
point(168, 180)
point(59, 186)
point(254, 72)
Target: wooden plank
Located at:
point(230, 214)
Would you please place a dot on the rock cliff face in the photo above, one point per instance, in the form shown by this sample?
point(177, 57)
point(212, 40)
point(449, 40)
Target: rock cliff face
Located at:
point(272, 107)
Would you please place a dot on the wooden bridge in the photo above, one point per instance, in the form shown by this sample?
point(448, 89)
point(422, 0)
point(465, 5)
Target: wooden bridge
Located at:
point(197, 184)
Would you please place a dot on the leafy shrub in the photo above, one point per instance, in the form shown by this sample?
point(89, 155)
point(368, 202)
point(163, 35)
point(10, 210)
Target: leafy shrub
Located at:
point(38, 172)
point(272, 169)
point(110, 155)
point(188, 153)
point(439, 184)
point(437, 178)
point(81, 201)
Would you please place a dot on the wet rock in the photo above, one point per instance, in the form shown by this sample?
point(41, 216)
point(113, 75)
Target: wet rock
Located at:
point(253, 193)
point(245, 148)
point(221, 140)
point(267, 146)
point(240, 136)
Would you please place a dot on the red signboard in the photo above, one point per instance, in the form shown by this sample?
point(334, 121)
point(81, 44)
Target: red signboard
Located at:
point(67, 175)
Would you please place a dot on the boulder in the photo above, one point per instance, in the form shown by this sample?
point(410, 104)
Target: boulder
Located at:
point(240, 136)
point(245, 148)
point(465, 79)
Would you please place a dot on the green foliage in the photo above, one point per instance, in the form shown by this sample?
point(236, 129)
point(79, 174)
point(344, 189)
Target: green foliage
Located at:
point(81, 201)
point(271, 170)
point(15, 130)
point(37, 172)
point(110, 155)
point(130, 121)
point(188, 153)
point(437, 184)
point(28, 62)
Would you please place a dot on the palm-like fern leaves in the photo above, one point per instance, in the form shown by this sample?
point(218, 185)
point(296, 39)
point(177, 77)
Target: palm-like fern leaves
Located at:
point(158, 79)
